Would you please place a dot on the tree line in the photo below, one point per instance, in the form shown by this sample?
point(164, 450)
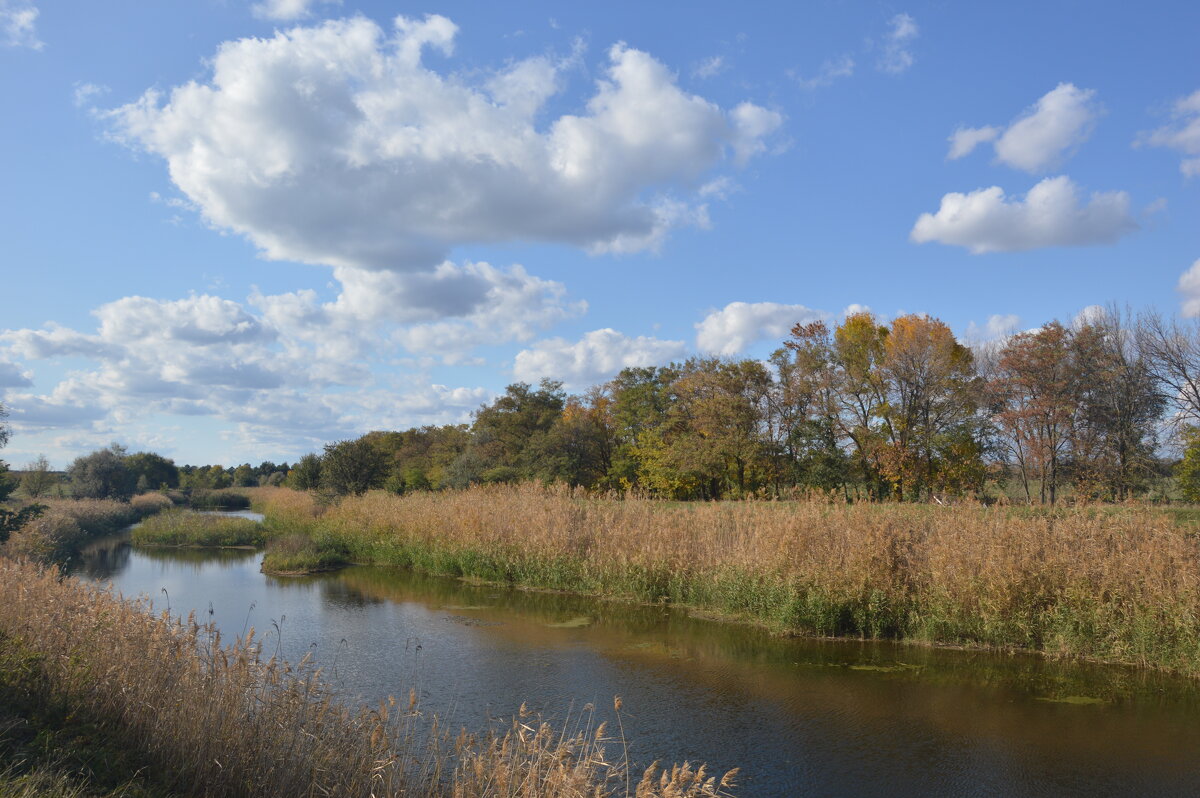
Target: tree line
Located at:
point(868, 409)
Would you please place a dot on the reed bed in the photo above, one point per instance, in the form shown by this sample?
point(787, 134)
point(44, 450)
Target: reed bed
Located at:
point(210, 719)
point(1118, 585)
point(184, 528)
point(69, 524)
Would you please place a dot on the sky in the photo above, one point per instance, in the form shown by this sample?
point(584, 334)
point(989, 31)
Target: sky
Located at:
point(236, 231)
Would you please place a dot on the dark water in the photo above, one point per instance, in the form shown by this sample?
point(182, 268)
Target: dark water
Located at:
point(799, 717)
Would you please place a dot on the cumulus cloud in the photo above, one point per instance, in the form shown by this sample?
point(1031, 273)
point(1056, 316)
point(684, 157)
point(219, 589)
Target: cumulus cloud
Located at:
point(1045, 135)
point(739, 324)
point(1189, 287)
point(596, 356)
point(284, 10)
point(829, 72)
point(18, 24)
point(897, 54)
point(336, 144)
point(1182, 134)
point(1050, 215)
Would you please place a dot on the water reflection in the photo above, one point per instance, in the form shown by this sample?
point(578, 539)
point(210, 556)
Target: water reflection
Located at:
point(800, 716)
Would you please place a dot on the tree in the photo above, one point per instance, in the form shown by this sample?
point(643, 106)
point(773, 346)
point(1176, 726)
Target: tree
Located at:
point(153, 471)
point(353, 467)
point(1187, 472)
point(1034, 390)
point(930, 412)
point(11, 520)
point(244, 477)
point(1120, 407)
point(38, 479)
point(102, 475)
point(510, 433)
point(306, 475)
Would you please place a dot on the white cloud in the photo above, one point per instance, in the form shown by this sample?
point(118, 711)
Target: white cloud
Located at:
point(283, 10)
point(965, 139)
point(1183, 134)
point(739, 324)
point(1050, 215)
point(897, 55)
point(830, 71)
point(85, 94)
point(997, 327)
point(597, 356)
point(1045, 135)
point(710, 67)
point(1189, 286)
point(335, 144)
point(18, 23)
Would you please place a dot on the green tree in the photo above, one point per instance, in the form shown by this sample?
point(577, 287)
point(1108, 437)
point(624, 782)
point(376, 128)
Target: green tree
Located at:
point(153, 471)
point(244, 477)
point(1187, 472)
point(38, 479)
point(509, 435)
point(102, 475)
point(306, 475)
point(353, 467)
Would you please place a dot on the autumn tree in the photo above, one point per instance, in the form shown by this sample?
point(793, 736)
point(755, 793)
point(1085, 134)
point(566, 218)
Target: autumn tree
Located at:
point(802, 418)
point(1035, 393)
point(929, 416)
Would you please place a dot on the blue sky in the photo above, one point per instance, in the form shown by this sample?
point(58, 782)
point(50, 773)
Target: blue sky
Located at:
point(233, 231)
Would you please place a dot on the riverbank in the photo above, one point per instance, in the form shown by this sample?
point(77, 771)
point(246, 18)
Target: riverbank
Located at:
point(171, 696)
point(69, 524)
point(1119, 584)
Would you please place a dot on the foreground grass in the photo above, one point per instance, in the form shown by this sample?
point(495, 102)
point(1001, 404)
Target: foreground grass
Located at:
point(69, 524)
point(1117, 585)
point(209, 719)
point(185, 528)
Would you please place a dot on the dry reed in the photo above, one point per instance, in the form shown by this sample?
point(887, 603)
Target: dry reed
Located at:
point(1119, 585)
point(68, 524)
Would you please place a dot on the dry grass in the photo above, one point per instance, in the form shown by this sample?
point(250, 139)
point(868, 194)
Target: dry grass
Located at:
point(220, 720)
point(68, 524)
point(1118, 584)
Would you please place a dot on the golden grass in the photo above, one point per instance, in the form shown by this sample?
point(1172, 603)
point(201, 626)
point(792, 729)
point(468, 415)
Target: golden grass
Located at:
point(1120, 584)
point(68, 524)
point(220, 720)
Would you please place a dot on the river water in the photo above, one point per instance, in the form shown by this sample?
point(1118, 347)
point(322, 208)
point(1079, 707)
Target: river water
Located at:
point(799, 717)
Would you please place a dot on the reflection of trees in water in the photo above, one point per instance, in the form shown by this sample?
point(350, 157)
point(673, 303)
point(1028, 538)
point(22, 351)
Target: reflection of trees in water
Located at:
point(104, 559)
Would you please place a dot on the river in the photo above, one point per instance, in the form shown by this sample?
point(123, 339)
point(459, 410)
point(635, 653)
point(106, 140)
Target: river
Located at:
point(799, 717)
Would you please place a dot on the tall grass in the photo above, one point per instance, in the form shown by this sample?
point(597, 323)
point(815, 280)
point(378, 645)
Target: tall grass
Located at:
point(1122, 585)
point(221, 720)
point(185, 528)
point(68, 524)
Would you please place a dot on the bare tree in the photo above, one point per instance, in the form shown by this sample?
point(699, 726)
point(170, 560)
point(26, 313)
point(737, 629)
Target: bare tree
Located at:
point(1172, 350)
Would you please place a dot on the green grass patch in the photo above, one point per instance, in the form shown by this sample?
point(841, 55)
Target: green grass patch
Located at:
point(185, 528)
point(301, 554)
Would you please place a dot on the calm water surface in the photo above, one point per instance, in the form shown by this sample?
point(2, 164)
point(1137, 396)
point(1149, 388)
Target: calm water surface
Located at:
point(799, 717)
